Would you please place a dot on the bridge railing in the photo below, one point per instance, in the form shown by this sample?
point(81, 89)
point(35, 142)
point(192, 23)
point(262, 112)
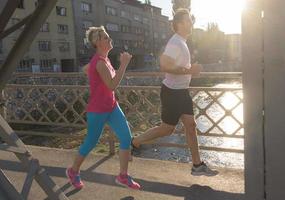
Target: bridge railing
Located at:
point(218, 110)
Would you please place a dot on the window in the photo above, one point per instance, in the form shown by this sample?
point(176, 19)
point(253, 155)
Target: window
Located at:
point(45, 27)
point(46, 65)
point(63, 46)
point(140, 44)
point(86, 43)
point(111, 11)
point(137, 17)
point(44, 45)
point(126, 29)
point(61, 28)
point(83, 52)
point(163, 25)
point(145, 20)
point(86, 7)
point(25, 65)
point(128, 43)
point(155, 35)
point(86, 24)
point(21, 4)
point(146, 45)
point(112, 27)
point(60, 11)
point(138, 30)
point(117, 43)
point(135, 44)
point(124, 14)
point(146, 33)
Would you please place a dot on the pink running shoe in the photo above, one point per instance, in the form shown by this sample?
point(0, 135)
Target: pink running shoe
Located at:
point(74, 178)
point(127, 181)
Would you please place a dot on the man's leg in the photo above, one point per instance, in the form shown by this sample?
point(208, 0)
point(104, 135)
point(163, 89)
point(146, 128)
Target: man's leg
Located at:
point(199, 168)
point(153, 133)
point(169, 118)
point(191, 136)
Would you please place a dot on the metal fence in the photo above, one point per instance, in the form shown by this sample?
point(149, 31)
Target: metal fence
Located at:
point(218, 110)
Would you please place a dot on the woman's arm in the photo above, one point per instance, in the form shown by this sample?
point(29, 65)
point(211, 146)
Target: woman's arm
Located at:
point(112, 83)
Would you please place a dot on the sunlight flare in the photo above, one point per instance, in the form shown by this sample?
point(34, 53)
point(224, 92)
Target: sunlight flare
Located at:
point(227, 13)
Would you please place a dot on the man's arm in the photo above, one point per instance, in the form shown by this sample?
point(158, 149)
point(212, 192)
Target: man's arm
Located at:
point(167, 64)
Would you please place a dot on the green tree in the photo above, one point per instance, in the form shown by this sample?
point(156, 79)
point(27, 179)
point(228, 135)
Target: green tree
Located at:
point(148, 2)
point(209, 46)
point(176, 4)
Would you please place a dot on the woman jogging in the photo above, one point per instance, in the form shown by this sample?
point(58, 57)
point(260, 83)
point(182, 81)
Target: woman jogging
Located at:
point(103, 108)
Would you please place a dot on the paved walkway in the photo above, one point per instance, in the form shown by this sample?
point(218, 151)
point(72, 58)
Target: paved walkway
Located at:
point(161, 180)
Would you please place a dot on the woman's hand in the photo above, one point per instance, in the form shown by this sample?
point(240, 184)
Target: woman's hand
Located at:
point(125, 59)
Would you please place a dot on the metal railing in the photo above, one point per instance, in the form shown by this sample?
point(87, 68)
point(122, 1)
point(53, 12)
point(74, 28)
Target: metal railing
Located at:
point(218, 110)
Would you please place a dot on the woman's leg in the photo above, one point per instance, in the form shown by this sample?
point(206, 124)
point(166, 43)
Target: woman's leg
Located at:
point(119, 124)
point(117, 121)
point(95, 125)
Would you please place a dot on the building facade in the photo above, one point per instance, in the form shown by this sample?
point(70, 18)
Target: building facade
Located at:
point(54, 47)
point(134, 27)
point(61, 44)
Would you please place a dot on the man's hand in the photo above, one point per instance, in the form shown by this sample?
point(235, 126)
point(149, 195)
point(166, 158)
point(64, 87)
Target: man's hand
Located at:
point(195, 69)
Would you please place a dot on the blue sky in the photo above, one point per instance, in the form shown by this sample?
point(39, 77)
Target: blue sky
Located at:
point(227, 13)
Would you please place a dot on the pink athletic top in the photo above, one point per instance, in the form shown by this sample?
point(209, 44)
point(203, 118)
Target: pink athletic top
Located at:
point(101, 98)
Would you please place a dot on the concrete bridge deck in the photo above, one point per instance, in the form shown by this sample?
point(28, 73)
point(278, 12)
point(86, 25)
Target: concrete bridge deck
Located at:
point(165, 180)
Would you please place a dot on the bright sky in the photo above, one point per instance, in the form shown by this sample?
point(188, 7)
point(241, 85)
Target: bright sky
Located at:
point(227, 13)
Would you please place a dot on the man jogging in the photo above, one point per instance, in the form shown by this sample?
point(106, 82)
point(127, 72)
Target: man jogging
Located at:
point(175, 99)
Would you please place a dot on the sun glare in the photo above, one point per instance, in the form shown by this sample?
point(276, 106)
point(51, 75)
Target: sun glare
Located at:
point(227, 13)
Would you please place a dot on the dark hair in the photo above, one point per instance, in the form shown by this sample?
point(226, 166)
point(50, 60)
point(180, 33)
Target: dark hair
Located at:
point(178, 17)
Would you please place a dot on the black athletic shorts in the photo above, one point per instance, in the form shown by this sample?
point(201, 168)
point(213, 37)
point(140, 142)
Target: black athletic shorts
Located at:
point(174, 103)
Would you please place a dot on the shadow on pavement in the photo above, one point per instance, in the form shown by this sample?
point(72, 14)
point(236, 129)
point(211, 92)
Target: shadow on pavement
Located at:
point(128, 198)
point(198, 192)
point(194, 192)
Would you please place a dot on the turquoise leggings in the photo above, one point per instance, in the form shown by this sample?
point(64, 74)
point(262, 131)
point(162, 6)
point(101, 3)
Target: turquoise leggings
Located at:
point(95, 124)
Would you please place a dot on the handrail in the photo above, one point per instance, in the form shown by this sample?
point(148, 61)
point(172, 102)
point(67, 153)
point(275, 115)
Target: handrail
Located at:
point(63, 106)
point(130, 74)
